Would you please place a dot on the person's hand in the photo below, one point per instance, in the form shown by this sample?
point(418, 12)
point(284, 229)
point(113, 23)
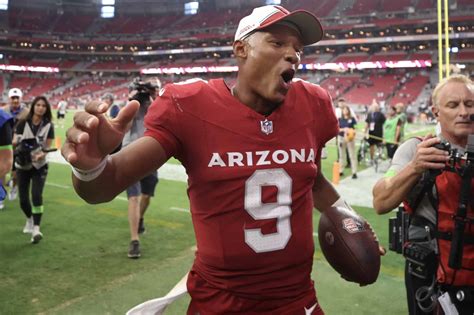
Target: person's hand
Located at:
point(428, 157)
point(38, 156)
point(93, 135)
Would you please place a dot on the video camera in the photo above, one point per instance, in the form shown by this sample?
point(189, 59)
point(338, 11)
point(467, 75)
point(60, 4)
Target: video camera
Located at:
point(456, 159)
point(144, 90)
point(24, 150)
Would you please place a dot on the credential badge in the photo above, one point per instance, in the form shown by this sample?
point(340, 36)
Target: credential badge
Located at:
point(266, 126)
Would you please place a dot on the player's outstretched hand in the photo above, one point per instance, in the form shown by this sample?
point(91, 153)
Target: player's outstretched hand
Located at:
point(93, 135)
point(428, 156)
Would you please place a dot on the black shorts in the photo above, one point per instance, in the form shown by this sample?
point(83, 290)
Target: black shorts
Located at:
point(61, 116)
point(374, 141)
point(145, 186)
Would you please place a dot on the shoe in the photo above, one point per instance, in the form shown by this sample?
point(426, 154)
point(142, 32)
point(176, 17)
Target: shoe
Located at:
point(28, 226)
point(134, 249)
point(12, 194)
point(354, 176)
point(341, 173)
point(141, 227)
point(36, 236)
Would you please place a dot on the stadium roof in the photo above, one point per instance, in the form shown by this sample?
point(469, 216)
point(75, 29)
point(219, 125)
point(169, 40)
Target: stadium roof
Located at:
point(132, 6)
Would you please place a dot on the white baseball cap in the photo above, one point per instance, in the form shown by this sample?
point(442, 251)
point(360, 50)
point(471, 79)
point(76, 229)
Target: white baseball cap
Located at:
point(15, 92)
point(305, 22)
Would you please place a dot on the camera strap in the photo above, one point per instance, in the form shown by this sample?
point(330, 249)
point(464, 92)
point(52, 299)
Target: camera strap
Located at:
point(448, 236)
point(423, 188)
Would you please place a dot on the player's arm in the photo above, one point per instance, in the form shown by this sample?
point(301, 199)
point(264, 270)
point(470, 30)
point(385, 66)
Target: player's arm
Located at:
point(6, 149)
point(122, 169)
point(324, 193)
point(98, 177)
point(391, 190)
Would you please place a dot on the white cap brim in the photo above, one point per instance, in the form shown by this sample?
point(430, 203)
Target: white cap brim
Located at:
point(307, 24)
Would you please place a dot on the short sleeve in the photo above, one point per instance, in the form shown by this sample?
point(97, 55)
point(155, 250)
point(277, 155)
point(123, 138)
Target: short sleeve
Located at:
point(162, 125)
point(6, 134)
point(403, 156)
point(51, 132)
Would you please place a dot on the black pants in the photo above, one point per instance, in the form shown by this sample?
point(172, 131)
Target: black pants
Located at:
point(37, 178)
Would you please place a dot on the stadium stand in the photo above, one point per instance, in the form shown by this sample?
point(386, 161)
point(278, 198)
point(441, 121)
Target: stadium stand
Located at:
point(375, 86)
point(94, 55)
point(410, 90)
point(338, 85)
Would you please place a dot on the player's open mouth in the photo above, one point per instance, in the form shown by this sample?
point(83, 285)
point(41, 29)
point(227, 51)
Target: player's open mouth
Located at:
point(288, 75)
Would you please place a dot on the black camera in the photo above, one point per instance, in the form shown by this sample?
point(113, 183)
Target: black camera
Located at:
point(419, 253)
point(22, 154)
point(398, 231)
point(456, 158)
point(23, 151)
point(144, 90)
point(421, 258)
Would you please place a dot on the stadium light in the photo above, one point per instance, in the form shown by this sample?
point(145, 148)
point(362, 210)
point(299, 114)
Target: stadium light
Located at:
point(271, 2)
point(108, 2)
point(191, 8)
point(5, 67)
point(3, 4)
point(107, 12)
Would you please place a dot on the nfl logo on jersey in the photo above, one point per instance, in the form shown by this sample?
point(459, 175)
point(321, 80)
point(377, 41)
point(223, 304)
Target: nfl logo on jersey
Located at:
point(266, 126)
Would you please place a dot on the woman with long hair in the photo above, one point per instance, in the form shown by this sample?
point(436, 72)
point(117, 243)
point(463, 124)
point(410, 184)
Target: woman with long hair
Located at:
point(33, 137)
point(346, 139)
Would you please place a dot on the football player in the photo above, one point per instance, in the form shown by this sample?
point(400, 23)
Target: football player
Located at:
point(252, 152)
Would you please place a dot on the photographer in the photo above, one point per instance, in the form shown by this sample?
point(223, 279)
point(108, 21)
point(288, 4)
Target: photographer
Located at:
point(139, 194)
point(33, 137)
point(430, 194)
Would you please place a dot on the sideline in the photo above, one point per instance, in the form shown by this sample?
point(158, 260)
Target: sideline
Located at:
point(356, 192)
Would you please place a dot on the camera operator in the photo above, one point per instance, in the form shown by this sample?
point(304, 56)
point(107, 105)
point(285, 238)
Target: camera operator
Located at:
point(6, 152)
point(430, 193)
point(139, 194)
point(33, 138)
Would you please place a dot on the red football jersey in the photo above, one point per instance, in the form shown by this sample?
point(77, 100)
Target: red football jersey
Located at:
point(250, 181)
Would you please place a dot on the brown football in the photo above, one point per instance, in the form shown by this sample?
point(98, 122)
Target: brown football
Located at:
point(349, 245)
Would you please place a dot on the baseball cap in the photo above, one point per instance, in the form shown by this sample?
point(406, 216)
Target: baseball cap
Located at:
point(108, 96)
point(306, 23)
point(15, 92)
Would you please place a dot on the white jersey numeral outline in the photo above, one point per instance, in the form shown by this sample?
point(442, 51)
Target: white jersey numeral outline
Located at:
point(280, 210)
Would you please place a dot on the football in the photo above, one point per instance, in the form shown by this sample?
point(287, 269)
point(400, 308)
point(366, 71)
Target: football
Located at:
point(349, 245)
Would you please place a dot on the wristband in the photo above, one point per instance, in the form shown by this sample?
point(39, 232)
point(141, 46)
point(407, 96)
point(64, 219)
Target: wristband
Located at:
point(339, 203)
point(90, 175)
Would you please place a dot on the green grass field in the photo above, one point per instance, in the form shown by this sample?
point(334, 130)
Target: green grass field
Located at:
point(81, 266)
